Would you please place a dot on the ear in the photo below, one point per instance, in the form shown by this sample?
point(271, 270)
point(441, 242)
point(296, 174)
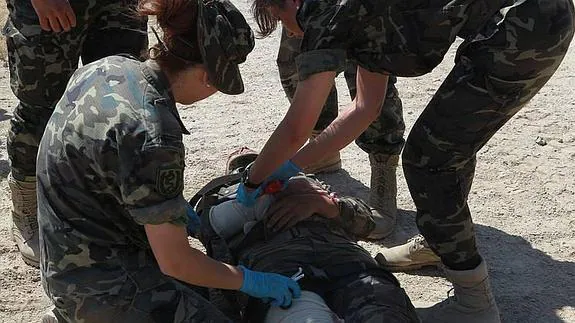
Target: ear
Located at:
point(205, 78)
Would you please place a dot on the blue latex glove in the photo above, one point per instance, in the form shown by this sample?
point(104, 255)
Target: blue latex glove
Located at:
point(280, 289)
point(247, 197)
point(285, 172)
point(193, 226)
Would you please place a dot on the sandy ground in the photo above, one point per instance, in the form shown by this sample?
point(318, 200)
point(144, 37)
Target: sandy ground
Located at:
point(523, 198)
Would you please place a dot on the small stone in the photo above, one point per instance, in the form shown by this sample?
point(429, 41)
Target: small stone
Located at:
point(540, 141)
point(560, 141)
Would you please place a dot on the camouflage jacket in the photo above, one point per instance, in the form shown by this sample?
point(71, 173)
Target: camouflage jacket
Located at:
point(404, 38)
point(111, 160)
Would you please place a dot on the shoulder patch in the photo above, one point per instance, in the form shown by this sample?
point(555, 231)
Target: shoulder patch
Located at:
point(169, 181)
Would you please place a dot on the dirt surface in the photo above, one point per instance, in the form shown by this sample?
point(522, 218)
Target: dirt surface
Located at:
point(523, 198)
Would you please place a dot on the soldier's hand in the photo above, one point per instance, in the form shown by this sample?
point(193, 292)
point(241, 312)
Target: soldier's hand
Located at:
point(280, 289)
point(301, 185)
point(55, 15)
point(292, 209)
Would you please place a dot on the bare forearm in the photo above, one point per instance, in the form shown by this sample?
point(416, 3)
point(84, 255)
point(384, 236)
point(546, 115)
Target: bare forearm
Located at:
point(195, 268)
point(371, 90)
point(295, 128)
point(342, 131)
point(177, 259)
point(281, 146)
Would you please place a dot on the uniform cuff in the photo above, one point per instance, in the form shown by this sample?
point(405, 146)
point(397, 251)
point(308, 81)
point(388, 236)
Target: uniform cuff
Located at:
point(321, 60)
point(170, 211)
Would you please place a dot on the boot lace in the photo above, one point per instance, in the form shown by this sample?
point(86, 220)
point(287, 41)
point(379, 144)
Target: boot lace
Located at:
point(417, 242)
point(27, 225)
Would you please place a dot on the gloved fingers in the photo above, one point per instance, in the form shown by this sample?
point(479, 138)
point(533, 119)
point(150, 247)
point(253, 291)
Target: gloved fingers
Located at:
point(277, 301)
point(294, 288)
point(287, 300)
point(292, 169)
point(248, 197)
point(285, 171)
point(247, 284)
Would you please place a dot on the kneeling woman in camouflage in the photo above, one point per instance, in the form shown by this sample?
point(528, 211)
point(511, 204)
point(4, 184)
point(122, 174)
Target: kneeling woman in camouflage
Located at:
point(112, 216)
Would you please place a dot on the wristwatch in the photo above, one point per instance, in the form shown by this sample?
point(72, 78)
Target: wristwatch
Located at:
point(245, 178)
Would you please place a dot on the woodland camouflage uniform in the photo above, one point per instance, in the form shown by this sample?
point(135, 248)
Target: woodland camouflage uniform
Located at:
point(510, 50)
point(103, 173)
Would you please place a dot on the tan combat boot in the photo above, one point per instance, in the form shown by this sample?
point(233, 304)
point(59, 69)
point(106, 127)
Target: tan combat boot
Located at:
point(412, 255)
point(473, 301)
point(329, 164)
point(25, 220)
point(240, 159)
point(383, 195)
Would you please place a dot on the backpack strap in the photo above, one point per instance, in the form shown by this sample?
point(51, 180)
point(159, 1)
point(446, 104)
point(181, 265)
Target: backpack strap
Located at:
point(215, 185)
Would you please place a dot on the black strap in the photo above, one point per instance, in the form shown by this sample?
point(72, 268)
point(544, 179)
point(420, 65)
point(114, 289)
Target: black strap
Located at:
point(213, 185)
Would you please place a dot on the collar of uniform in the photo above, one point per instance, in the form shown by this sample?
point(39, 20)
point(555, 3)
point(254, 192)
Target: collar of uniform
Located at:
point(302, 11)
point(158, 79)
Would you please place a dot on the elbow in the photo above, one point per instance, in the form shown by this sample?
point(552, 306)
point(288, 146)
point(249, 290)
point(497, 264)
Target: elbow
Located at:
point(170, 268)
point(369, 113)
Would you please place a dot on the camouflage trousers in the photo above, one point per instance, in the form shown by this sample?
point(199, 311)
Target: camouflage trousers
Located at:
point(495, 74)
point(384, 137)
point(41, 64)
point(127, 295)
point(336, 268)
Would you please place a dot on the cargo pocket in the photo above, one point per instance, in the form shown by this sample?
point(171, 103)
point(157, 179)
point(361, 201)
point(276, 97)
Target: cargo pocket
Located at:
point(150, 282)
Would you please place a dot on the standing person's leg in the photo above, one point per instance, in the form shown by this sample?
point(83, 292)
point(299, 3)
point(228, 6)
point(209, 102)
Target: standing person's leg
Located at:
point(494, 76)
point(288, 51)
point(40, 65)
point(116, 29)
point(383, 141)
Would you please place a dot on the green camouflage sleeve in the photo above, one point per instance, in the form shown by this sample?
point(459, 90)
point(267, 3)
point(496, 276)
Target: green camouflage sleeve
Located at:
point(152, 180)
point(354, 214)
point(356, 217)
point(325, 42)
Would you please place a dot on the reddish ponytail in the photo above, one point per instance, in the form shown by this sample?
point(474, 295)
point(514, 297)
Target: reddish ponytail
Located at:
point(178, 21)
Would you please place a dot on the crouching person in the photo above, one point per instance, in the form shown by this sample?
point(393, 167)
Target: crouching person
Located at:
point(112, 217)
point(306, 232)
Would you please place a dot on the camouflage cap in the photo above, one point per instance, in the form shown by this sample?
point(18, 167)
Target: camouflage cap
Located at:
point(225, 39)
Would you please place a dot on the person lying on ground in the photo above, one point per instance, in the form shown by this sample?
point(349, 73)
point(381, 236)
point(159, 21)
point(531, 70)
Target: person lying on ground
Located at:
point(303, 226)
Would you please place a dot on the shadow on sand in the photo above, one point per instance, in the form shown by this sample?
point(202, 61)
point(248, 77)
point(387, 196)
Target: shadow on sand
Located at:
point(4, 115)
point(529, 285)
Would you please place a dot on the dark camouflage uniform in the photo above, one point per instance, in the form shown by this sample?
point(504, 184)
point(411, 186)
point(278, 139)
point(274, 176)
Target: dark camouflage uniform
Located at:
point(510, 50)
point(335, 266)
point(110, 161)
point(41, 63)
point(383, 138)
